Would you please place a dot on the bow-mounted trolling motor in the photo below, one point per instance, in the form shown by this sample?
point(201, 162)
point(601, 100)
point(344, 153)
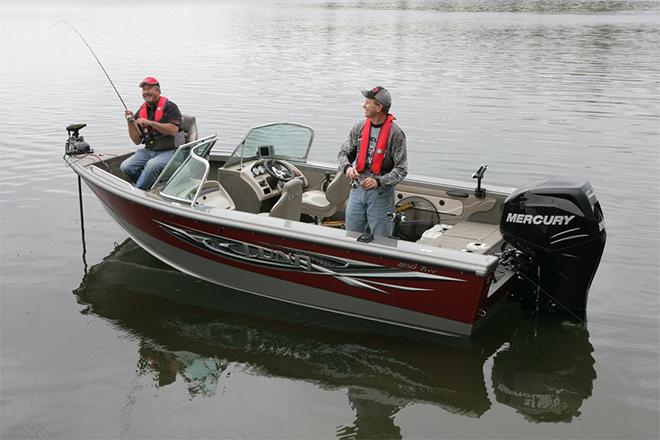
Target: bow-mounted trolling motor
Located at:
point(557, 228)
point(76, 144)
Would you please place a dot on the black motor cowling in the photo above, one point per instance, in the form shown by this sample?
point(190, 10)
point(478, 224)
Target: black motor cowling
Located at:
point(558, 224)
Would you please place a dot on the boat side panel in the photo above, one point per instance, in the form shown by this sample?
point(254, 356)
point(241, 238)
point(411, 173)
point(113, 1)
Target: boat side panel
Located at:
point(283, 290)
point(453, 295)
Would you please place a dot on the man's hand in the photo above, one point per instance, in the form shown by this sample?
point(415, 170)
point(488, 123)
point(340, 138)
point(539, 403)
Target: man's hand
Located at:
point(144, 122)
point(369, 183)
point(133, 130)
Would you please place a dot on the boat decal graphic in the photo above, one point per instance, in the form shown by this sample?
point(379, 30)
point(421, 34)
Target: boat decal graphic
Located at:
point(339, 263)
point(572, 237)
point(351, 281)
point(411, 289)
point(564, 232)
point(362, 269)
point(399, 274)
point(352, 273)
point(239, 250)
point(548, 220)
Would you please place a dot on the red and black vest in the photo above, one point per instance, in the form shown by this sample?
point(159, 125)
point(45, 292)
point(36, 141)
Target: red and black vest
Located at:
point(153, 139)
point(381, 146)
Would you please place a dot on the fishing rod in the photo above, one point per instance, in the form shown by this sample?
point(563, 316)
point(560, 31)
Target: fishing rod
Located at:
point(142, 131)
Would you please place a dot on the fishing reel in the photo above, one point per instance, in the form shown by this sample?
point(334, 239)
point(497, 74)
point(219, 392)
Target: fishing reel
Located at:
point(76, 144)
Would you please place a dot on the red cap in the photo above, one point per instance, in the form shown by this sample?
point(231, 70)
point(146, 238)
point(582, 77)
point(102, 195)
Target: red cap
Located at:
point(150, 80)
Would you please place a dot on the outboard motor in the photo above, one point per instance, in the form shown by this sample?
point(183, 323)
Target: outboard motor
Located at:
point(558, 224)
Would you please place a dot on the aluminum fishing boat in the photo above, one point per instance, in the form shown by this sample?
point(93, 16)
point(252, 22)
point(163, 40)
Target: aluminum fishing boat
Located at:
point(265, 220)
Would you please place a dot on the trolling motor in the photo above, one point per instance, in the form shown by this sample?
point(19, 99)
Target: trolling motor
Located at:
point(76, 144)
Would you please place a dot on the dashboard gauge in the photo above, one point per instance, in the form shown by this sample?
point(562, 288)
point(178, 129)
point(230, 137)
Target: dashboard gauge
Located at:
point(261, 169)
point(255, 171)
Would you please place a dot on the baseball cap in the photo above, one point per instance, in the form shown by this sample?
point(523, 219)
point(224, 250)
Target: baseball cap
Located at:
point(150, 80)
point(380, 94)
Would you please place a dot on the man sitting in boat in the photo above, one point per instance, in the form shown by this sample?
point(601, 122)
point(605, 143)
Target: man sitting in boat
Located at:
point(159, 122)
point(375, 159)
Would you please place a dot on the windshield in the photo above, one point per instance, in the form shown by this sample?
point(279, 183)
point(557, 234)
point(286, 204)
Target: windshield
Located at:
point(281, 140)
point(178, 158)
point(183, 184)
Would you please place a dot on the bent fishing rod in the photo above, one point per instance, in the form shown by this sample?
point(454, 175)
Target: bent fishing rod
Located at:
point(142, 131)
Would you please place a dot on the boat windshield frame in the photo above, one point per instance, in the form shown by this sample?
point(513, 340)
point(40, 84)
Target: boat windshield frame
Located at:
point(238, 156)
point(175, 162)
point(196, 153)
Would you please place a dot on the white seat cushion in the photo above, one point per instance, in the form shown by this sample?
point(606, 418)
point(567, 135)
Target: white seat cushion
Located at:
point(315, 198)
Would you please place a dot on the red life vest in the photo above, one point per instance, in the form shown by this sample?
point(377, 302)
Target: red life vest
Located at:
point(381, 146)
point(160, 108)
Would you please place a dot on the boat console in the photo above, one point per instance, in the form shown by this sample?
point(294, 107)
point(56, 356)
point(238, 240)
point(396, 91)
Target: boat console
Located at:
point(263, 162)
point(264, 177)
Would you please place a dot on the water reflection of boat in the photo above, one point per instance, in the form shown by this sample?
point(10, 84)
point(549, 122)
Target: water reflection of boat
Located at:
point(545, 375)
point(382, 373)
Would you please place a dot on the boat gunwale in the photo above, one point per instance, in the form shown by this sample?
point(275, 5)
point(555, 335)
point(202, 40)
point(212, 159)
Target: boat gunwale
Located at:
point(427, 181)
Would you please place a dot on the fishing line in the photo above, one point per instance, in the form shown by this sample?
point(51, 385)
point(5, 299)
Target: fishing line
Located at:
point(97, 60)
point(540, 289)
point(140, 129)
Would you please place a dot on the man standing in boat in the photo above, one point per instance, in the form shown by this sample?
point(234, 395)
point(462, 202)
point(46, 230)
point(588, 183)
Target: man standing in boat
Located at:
point(375, 159)
point(159, 122)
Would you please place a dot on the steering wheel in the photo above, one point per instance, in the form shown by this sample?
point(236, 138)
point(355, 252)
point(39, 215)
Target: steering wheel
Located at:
point(279, 170)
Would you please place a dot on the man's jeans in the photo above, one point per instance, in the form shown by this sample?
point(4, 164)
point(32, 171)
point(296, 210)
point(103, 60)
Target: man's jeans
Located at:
point(370, 206)
point(145, 166)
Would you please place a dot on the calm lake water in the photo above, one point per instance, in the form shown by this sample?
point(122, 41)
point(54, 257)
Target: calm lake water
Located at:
point(112, 344)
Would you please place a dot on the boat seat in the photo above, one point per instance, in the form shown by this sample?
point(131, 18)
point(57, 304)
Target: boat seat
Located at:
point(289, 205)
point(320, 204)
point(189, 125)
